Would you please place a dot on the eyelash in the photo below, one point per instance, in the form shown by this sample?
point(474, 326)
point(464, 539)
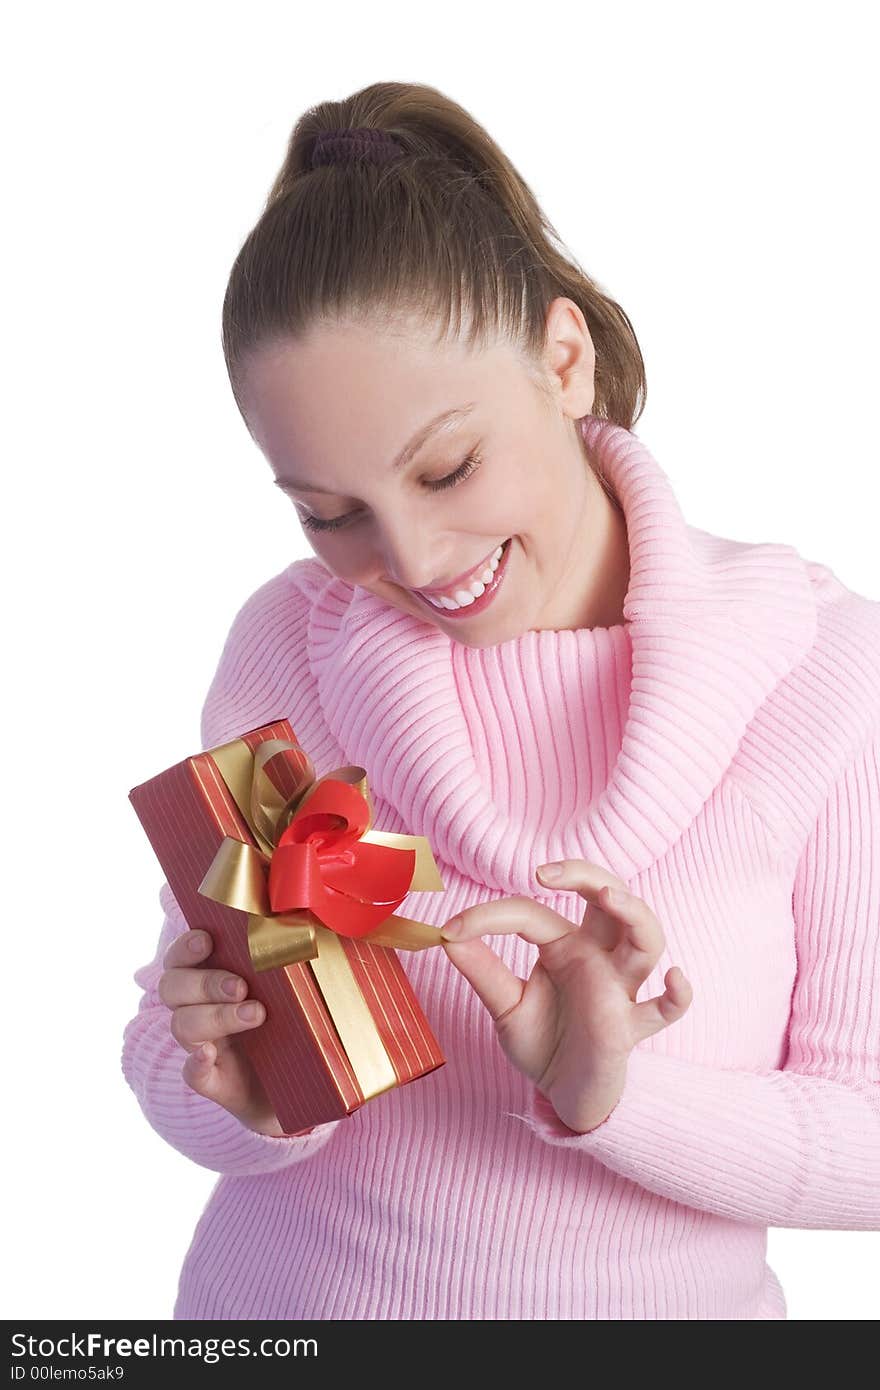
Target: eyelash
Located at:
point(461, 474)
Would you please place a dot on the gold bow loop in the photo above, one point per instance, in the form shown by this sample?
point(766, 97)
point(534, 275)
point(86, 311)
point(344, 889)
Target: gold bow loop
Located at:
point(309, 834)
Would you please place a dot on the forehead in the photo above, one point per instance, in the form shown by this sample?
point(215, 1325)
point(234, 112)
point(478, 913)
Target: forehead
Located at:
point(350, 392)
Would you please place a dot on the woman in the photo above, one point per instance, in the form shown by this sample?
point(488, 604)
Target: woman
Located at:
point(509, 624)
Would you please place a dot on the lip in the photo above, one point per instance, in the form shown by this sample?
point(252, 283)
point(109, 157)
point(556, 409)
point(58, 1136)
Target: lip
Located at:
point(460, 579)
point(488, 596)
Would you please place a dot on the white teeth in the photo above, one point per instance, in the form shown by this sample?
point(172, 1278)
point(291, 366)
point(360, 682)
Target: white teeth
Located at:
point(464, 597)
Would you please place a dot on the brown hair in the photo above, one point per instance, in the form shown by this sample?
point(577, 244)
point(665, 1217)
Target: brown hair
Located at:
point(451, 233)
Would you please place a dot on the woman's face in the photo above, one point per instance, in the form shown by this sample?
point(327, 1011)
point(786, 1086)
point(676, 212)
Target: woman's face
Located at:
point(397, 509)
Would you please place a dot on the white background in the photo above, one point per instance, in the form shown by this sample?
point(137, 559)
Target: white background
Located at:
point(712, 166)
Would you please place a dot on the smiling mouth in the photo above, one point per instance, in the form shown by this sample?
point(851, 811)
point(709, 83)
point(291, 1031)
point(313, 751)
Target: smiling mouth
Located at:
point(472, 597)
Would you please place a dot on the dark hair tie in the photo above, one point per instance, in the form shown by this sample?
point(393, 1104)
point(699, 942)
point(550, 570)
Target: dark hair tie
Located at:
point(359, 143)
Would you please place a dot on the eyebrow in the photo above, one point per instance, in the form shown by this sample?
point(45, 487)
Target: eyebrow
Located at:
point(419, 439)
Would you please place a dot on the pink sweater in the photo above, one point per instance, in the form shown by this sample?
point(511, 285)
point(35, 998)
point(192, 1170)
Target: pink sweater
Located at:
point(719, 751)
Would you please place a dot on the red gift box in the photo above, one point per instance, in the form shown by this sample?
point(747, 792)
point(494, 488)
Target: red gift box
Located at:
point(248, 822)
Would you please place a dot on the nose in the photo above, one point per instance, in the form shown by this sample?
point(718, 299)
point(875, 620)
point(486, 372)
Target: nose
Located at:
point(412, 559)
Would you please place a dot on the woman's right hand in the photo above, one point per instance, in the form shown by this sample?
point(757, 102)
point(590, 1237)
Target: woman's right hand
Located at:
point(206, 1012)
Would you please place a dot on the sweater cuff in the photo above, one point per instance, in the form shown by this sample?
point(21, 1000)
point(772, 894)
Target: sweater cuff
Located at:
point(213, 1138)
point(543, 1120)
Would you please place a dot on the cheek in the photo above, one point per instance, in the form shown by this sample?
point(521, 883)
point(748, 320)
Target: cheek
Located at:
point(552, 506)
point(345, 555)
point(498, 507)
point(524, 491)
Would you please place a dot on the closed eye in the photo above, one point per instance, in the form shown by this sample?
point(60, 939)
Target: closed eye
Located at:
point(461, 473)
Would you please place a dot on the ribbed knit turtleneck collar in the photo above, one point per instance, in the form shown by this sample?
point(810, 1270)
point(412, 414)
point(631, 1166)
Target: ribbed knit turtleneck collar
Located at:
point(710, 625)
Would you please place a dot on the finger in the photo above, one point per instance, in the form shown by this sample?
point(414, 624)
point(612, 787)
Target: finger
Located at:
point(200, 1071)
point(531, 920)
point(587, 880)
point(497, 986)
point(652, 1015)
point(188, 949)
point(640, 943)
point(580, 875)
point(182, 985)
point(194, 1024)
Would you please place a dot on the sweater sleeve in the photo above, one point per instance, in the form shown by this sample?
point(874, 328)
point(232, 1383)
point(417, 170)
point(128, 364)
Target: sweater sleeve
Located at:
point(799, 1146)
point(261, 670)
point(152, 1062)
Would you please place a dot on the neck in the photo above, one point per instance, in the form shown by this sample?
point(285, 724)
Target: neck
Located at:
point(604, 607)
point(596, 598)
point(607, 582)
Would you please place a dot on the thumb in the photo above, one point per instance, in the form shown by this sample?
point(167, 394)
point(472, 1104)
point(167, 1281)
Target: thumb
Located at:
point(200, 1071)
point(652, 1015)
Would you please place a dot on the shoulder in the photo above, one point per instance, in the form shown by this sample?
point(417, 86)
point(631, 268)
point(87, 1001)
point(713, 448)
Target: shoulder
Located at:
point(263, 671)
point(821, 715)
point(838, 679)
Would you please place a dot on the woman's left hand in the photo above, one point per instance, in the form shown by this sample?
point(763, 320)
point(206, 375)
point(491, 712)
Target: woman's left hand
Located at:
point(571, 1026)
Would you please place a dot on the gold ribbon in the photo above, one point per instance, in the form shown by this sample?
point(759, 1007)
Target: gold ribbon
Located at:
point(270, 786)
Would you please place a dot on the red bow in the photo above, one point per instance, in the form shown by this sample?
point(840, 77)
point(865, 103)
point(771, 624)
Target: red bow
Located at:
point(321, 863)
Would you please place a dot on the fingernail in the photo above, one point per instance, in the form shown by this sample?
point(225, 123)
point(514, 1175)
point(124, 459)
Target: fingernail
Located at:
point(551, 872)
point(249, 1012)
point(453, 927)
point(231, 986)
point(197, 942)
